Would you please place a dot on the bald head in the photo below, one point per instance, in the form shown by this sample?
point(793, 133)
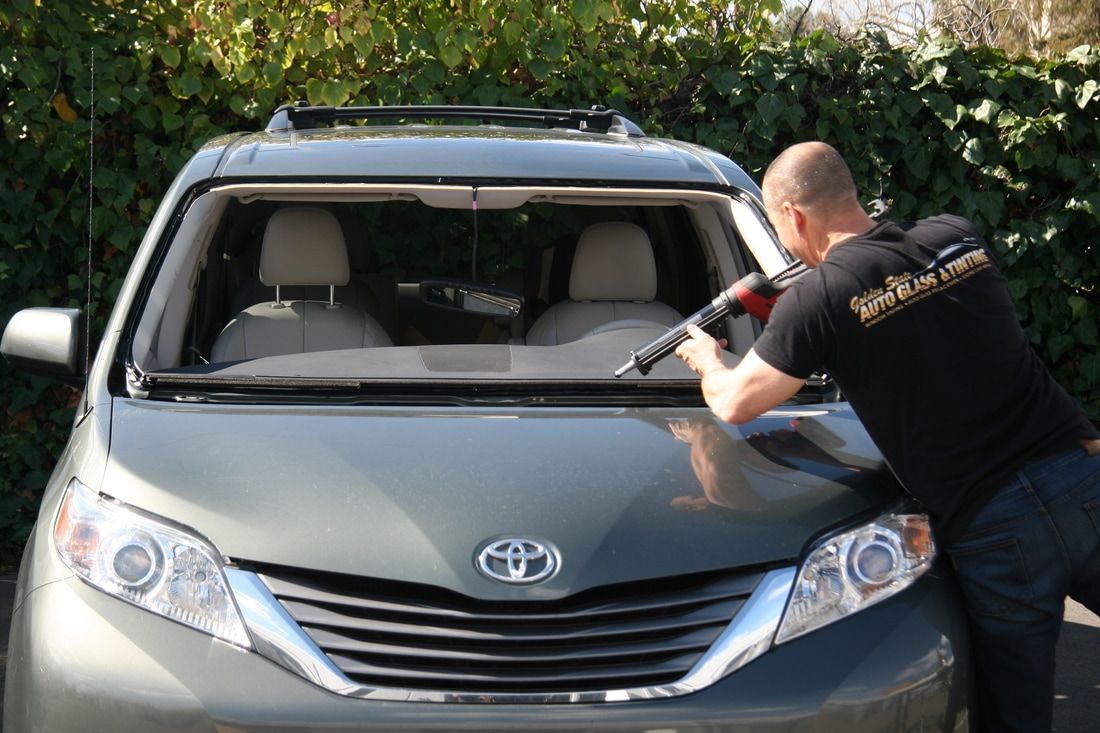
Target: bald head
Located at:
point(811, 201)
point(811, 176)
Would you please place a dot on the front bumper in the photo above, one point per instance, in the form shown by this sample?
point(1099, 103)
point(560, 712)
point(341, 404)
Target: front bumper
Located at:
point(80, 660)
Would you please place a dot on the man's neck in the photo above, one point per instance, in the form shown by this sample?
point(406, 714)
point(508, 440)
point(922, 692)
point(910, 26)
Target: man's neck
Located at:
point(847, 228)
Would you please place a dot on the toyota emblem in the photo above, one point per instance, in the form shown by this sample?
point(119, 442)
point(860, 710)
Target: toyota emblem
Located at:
point(517, 560)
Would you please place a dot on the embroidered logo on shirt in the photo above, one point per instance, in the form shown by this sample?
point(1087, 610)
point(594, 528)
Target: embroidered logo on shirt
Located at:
point(952, 265)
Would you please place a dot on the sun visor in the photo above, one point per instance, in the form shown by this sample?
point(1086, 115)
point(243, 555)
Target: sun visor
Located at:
point(438, 197)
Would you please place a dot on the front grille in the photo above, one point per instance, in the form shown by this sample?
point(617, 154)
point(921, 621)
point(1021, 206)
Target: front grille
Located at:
point(412, 636)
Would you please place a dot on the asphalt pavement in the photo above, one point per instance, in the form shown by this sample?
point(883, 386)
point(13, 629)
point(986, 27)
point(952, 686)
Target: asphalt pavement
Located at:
point(1076, 689)
point(1077, 682)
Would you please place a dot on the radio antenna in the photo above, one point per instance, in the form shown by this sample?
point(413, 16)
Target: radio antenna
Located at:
point(91, 209)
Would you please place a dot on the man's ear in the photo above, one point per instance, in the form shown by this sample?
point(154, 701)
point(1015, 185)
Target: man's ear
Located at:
point(796, 216)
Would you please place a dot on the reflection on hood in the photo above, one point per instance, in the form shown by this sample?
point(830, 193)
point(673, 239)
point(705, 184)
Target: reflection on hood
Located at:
point(827, 446)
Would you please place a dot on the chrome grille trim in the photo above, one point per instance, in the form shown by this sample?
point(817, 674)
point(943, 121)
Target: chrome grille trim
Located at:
point(279, 638)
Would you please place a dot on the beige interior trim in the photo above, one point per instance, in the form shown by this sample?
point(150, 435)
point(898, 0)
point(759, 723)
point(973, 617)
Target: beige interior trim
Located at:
point(439, 197)
point(461, 197)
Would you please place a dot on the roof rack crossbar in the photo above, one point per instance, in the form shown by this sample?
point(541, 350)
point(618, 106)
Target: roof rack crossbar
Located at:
point(301, 116)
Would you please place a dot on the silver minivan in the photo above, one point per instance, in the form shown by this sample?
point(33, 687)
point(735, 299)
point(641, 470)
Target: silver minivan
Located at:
point(352, 456)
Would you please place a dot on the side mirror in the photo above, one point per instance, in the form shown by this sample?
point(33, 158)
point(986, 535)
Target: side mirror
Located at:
point(47, 341)
point(471, 297)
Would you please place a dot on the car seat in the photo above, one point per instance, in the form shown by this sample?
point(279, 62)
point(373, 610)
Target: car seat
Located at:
point(302, 246)
point(613, 280)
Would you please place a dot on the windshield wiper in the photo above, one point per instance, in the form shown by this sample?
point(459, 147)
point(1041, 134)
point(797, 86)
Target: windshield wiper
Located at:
point(295, 390)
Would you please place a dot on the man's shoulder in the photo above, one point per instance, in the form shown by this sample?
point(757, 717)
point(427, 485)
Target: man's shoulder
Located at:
point(945, 227)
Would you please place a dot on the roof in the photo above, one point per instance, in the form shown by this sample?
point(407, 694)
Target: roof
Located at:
point(467, 152)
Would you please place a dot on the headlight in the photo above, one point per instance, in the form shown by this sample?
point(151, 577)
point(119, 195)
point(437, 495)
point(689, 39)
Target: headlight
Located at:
point(855, 569)
point(149, 563)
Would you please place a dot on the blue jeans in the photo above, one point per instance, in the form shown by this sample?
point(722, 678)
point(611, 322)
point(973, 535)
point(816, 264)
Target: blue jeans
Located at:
point(1036, 541)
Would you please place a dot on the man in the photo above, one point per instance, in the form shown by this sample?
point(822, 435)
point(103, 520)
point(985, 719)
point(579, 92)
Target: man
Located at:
point(917, 329)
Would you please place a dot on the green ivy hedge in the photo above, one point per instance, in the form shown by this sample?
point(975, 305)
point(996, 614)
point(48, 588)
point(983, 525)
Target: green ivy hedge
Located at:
point(1011, 143)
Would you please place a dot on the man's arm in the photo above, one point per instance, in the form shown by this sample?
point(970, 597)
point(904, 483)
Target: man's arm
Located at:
point(740, 394)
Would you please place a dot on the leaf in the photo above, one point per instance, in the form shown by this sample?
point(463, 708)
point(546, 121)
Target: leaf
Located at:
point(985, 111)
point(467, 40)
point(722, 79)
point(333, 94)
point(1087, 92)
point(1017, 289)
point(1078, 306)
point(762, 70)
point(512, 32)
point(314, 89)
point(363, 43)
point(1082, 54)
point(206, 92)
point(60, 104)
point(957, 115)
point(434, 72)
point(450, 56)
point(190, 84)
point(995, 86)
point(487, 94)
point(554, 48)
point(421, 84)
point(769, 107)
point(1046, 152)
point(991, 205)
point(540, 69)
point(1063, 90)
point(973, 152)
point(146, 115)
point(794, 114)
point(273, 73)
point(171, 121)
point(1088, 203)
point(169, 55)
point(1024, 158)
point(1070, 168)
point(1059, 343)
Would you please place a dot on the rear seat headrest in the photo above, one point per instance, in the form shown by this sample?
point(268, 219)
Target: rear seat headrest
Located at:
point(304, 245)
point(614, 261)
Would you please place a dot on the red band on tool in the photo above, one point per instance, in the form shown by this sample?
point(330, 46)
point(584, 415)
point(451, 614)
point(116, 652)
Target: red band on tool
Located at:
point(756, 305)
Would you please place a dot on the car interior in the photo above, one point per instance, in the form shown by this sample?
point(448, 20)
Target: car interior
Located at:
point(253, 272)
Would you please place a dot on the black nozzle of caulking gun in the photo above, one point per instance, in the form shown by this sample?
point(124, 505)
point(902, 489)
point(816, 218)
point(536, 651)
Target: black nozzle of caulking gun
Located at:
point(754, 294)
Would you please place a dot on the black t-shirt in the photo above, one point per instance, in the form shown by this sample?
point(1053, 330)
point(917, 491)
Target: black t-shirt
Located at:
point(920, 334)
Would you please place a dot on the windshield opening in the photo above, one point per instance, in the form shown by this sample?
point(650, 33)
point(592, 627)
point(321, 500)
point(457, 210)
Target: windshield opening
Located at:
point(455, 286)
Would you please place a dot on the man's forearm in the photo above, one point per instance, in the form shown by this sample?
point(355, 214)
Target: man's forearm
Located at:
point(741, 394)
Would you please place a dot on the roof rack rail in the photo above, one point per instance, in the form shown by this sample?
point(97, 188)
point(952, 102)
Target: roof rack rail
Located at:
point(301, 116)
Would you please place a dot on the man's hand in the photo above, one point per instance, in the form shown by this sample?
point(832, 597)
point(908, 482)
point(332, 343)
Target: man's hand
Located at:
point(701, 352)
point(740, 394)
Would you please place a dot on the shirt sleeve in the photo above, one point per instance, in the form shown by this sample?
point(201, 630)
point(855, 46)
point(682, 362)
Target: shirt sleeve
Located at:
point(949, 228)
point(797, 339)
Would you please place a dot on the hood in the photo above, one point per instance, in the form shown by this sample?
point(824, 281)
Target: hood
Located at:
point(413, 494)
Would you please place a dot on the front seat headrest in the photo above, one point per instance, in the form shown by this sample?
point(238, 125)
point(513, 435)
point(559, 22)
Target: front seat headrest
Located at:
point(614, 261)
point(304, 245)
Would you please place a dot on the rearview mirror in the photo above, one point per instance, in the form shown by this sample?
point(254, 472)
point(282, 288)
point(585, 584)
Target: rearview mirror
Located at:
point(472, 297)
point(46, 341)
